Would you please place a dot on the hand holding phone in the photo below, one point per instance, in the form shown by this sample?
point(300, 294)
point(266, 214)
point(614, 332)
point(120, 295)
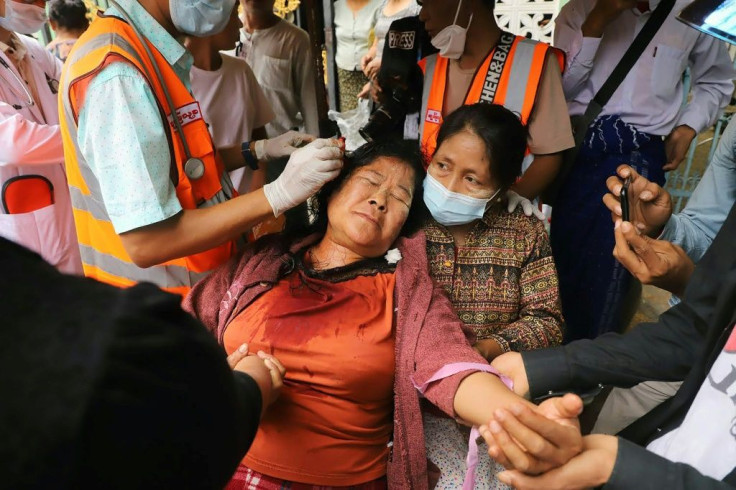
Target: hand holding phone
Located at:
point(624, 197)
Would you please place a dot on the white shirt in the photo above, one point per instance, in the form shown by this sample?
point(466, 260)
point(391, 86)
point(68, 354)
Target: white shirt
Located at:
point(233, 105)
point(706, 439)
point(651, 95)
point(30, 144)
point(282, 61)
point(354, 32)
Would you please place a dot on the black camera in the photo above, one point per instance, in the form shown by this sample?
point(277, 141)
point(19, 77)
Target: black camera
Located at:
point(400, 78)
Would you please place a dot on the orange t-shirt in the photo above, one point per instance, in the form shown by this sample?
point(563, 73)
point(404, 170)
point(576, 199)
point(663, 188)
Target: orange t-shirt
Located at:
point(334, 419)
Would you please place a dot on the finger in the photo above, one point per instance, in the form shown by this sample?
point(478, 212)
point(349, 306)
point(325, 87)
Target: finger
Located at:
point(237, 356)
point(624, 171)
point(516, 456)
point(520, 481)
point(274, 360)
point(494, 451)
point(640, 243)
point(531, 439)
point(512, 205)
point(306, 138)
point(539, 213)
point(623, 253)
point(613, 205)
point(614, 185)
point(527, 206)
point(329, 153)
point(651, 192)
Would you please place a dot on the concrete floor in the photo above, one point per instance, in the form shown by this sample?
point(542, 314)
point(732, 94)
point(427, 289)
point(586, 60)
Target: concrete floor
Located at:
point(654, 302)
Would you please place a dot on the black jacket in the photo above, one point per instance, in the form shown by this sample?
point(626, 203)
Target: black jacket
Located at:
point(681, 346)
point(112, 388)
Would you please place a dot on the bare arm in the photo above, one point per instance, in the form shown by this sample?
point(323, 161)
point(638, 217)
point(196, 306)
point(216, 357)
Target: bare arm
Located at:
point(539, 175)
point(195, 230)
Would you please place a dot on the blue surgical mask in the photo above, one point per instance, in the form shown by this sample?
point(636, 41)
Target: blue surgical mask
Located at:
point(450, 208)
point(200, 18)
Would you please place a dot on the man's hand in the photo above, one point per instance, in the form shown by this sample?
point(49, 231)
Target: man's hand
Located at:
point(277, 372)
point(676, 145)
point(371, 69)
point(365, 60)
point(589, 469)
point(237, 356)
point(533, 442)
point(281, 146)
point(602, 14)
point(515, 200)
point(650, 205)
point(657, 262)
point(511, 365)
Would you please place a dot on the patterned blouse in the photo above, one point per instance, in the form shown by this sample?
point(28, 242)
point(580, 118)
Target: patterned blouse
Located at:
point(503, 282)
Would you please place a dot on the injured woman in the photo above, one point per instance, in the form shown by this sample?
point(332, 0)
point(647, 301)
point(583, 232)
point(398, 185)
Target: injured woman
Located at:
point(350, 310)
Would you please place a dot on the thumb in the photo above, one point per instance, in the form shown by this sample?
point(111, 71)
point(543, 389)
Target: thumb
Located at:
point(563, 408)
point(237, 356)
point(641, 244)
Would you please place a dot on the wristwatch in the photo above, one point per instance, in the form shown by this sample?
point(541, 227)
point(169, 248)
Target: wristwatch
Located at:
point(250, 158)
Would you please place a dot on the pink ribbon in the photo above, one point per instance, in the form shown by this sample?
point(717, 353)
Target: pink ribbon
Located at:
point(471, 461)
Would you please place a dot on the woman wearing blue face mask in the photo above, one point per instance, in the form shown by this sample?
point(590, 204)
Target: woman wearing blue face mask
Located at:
point(497, 267)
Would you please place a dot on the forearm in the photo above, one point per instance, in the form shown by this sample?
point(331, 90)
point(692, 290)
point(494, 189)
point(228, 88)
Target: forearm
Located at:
point(619, 360)
point(479, 395)
point(539, 175)
point(195, 230)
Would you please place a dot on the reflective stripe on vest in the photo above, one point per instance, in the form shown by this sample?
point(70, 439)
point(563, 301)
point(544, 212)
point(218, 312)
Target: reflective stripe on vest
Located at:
point(103, 255)
point(517, 88)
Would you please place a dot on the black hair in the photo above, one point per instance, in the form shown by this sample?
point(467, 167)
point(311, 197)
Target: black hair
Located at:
point(407, 152)
point(503, 134)
point(68, 14)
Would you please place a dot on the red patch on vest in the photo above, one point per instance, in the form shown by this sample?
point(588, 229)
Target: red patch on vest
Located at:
point(187, 114)
point(434, 116)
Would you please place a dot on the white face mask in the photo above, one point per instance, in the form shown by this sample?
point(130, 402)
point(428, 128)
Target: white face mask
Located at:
point(200, 18)
point(452, 208)
point(23, 18)
point(451, 40)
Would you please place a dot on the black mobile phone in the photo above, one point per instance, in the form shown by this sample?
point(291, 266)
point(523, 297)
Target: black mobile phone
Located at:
point(625, 208)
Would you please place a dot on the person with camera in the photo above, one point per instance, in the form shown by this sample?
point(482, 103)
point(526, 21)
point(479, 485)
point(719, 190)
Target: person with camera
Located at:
point(478, 62)
point(643, 123)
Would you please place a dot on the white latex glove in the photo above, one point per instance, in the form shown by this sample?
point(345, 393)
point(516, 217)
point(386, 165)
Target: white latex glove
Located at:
point(308, 169)
point(515, 199)
point(280, 146)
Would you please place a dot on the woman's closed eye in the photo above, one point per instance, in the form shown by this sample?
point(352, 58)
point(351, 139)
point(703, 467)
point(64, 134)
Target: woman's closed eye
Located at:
point(369, 181)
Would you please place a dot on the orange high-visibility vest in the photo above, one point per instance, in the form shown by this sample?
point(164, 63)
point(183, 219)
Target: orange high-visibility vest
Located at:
point(104, 258)
point(515, 86)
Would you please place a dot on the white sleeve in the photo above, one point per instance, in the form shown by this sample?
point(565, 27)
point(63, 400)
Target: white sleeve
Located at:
point(712, 75)
point(579, 51)
point(25, 142)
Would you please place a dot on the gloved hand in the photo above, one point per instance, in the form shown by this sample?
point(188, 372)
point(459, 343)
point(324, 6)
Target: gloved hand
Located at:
point(308, 169)
point(515, 199)
point(280, 146)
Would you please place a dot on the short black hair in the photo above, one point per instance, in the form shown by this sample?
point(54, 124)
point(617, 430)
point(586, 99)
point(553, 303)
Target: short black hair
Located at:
point(502, 132)
point(405, 151)
point(68, 14)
